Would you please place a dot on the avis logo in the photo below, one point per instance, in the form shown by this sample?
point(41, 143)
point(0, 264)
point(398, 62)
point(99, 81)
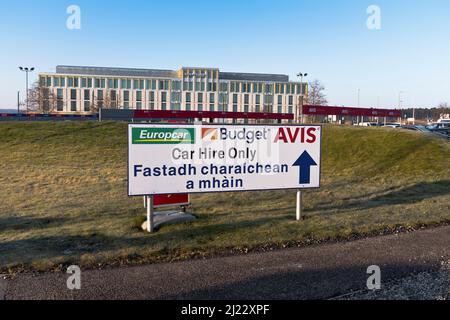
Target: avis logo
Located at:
point(300, 134)
point(210, 134)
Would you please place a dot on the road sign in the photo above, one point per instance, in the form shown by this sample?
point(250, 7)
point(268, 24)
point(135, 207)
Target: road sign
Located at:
point(174, 159)
point(171, 200)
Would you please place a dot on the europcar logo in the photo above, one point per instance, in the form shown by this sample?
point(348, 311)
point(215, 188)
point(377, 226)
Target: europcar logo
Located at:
point(163, 136)
point(210, 134)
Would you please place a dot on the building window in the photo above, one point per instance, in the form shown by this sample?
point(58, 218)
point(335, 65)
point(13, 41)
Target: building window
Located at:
point(72, 82)
point(139, 100)
point(280, 104)
point(234, 87)
point(235, 103)
point(212, 87)
point(258, 103)
point(246, 87)
point(163, 84)
point(200, 101)
point(291, 100)
point(113, 83)
point(268, 102)
point(73, 94)
point(176, 85)
point(73, 106)
point(151, 84)
point(59, 94)
point(257, 88)
point(200, 86)
point(188, 101)
point(223, 102)
point(223, 87)
point(175, 100)
point(246, 103)
point(100, 83)
point(100, 99)
point(188, 86)
point(212, 102)
point(151, 100)
point(126, 99)
point(138, 84)
point(87, 98)
point(59, 100)
point(163, 100)
point(113, 98)
point(125, 83)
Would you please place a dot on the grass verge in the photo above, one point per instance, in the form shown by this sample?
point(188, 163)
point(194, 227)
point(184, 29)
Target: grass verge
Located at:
point(63, 198)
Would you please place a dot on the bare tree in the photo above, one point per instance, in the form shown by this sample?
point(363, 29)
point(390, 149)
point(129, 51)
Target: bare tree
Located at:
point(108, 102)
point(111, 101)
point(95, 105)
point(41, 99)
point(443, 106)
point(316, 94)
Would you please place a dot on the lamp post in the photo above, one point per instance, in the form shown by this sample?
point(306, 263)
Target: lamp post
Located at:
point(400, 102)
point(301, 75)
point(27, 70)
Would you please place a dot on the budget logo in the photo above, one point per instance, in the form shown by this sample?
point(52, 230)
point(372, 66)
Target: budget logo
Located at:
point(210, 134)
point(163, 136)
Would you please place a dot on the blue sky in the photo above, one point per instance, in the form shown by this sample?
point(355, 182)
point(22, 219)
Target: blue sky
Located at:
point(326, 38)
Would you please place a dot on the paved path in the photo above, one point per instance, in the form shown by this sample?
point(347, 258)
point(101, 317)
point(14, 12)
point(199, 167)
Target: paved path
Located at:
point(316, 272)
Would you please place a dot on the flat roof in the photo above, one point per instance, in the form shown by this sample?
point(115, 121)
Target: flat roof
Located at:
point(117, 72)
point(161, 73)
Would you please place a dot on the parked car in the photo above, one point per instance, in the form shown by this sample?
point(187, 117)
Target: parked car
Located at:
point(439, 125)
point(393, 125)
point(368, 124)
point(416, 128)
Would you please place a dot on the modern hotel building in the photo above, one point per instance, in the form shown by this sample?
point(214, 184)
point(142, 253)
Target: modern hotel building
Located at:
point(86, 89)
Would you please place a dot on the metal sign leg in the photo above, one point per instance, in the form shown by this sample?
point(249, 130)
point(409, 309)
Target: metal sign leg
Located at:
point(150, 215)
point(299, 205)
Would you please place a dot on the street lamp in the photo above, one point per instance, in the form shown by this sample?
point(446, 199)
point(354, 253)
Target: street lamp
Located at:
point(27, 70)
point(301, 75)
point(400, 101)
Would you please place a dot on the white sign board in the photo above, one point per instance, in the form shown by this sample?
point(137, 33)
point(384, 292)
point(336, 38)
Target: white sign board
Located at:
point(172, 159)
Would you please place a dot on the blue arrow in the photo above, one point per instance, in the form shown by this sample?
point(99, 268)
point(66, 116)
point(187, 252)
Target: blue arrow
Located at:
point(305, 162)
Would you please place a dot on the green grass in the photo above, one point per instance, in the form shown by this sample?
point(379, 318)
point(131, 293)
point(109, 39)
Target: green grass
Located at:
point(63, 197)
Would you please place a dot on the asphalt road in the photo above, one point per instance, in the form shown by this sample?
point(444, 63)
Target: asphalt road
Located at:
point(316, 272)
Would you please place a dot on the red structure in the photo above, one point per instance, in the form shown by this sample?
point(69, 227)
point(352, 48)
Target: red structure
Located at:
point(174, 114)
point(351, 112)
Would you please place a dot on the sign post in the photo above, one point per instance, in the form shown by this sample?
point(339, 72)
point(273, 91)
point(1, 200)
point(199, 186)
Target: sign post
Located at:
point(299, 205)
point(150, 214)
point(174, 159)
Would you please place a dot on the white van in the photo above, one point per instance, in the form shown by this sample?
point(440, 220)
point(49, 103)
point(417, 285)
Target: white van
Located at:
point(368, 124)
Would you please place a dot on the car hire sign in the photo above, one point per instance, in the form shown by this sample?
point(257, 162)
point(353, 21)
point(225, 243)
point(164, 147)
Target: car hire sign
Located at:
point(173, 159)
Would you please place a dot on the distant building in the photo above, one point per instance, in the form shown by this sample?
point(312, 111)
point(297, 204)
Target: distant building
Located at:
point(85, 89)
